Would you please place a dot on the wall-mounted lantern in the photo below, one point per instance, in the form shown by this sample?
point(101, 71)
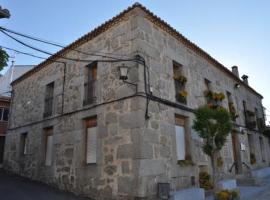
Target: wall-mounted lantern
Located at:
point(123, 69)
point(123, 72)
point(236, 86)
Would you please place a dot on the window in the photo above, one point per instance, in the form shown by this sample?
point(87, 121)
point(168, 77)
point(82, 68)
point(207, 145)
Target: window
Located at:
point(48, 108)
point(262, 149)
point(90, 83)
point(48, 145)
point(179, 83)
point(91, 140)
point(232, 109)
point(181, 138)
point(23, 144)
point(208, 84)
point(4, 114)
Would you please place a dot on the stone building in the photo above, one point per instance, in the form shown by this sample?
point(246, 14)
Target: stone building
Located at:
point(4, 109)
point(78, 124)
point(5, 90)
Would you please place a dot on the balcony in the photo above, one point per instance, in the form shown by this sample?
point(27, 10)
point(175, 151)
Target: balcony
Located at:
point(90, 95)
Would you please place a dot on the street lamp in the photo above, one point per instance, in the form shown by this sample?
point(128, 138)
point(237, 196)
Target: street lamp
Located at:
point(123, 72)
point(237, 86)
point(124, 76)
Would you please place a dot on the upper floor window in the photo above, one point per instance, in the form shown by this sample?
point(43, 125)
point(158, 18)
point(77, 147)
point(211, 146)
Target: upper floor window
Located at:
point(232, 108)
point(208, 84)
point(4, 114)
point(179, 83)
point(48, 106)
point(90, 83)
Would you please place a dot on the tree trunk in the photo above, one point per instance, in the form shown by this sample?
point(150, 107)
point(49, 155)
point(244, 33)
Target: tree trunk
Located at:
point(214, 170)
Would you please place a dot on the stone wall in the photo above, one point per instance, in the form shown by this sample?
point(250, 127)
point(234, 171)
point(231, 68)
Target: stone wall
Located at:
point(160, 49)
point(133, 154)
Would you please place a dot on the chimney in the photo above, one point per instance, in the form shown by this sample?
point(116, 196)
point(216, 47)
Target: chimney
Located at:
point(235, 71)
point(245, 79)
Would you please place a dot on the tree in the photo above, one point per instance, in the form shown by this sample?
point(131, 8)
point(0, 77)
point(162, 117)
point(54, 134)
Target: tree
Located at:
point(213, 125)
point(3, 58)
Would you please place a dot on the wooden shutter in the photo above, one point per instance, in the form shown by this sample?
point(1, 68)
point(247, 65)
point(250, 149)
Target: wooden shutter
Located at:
point(180, 142)
point(49, 145)
point(91, 145)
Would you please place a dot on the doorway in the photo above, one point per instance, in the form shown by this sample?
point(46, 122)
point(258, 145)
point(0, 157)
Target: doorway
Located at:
point(2, 146)
point(236, 153)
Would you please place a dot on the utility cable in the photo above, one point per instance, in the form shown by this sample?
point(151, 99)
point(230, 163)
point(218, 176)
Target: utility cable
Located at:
point(59, 45)
point(20, 52)
point(59, 56)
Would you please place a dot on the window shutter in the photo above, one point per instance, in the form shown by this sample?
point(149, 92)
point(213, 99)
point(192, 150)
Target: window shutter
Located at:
point(91, 146)
point(49, 146)
point(180, 142)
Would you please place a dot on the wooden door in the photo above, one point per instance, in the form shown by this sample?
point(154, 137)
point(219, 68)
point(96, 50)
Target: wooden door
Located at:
point(236, 153)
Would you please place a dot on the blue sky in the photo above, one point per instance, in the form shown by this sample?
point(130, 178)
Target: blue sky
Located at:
point(233, 32)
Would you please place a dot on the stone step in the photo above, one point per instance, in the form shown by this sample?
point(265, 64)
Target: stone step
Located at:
point(227, 184)
point(249, 182)
point(261, 173)
point(188, 194)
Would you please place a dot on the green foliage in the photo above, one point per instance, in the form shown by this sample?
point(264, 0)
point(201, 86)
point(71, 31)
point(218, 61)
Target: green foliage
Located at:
point(204, 180)
point(213, 125)
point(3, 59)
point(227, 195)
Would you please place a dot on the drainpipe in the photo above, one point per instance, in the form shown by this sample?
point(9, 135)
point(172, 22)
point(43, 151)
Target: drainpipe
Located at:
point(64, 82)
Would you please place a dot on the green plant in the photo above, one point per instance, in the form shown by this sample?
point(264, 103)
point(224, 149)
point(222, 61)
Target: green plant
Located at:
point(188, 161)
point(213, 125)
point(182, 79)
point(3, 58)
point(204, 180)
point(219, 162)
point(182, 96)
point(227, 195)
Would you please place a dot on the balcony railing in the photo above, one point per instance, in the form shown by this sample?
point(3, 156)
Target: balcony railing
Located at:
point(90, 95)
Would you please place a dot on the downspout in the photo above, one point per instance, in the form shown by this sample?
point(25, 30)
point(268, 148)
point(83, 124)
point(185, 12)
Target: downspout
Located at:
point(64, 82)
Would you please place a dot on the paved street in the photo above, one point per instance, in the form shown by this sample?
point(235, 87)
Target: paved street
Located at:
point(14, 188)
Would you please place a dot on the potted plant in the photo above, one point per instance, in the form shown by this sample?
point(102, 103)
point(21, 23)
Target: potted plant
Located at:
point(180, 78)
point(182, 96)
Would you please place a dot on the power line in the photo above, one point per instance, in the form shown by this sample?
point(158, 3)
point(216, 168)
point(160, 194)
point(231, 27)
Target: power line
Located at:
point(67, 58)
point(20, 52)
point(59, 45)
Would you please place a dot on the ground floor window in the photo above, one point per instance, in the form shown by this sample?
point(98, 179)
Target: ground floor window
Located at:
point(91, 140)
point(48, 146)
point(23, 144)
point(181, 137)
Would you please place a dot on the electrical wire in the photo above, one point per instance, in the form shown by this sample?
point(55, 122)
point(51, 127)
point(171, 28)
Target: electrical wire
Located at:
point(20, 52)
point(67, 58)
point(61, 46)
